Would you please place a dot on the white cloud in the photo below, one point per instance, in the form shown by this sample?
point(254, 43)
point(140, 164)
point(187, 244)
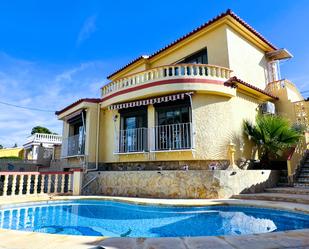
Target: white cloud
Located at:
point(41, 86)
point(88, 28)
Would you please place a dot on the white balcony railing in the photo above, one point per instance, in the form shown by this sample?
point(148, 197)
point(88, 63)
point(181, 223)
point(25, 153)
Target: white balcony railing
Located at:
point(73, 146)
point(172, 137)
point(44, 138)
point(132, 140)
point(158, 138)
point(168, 72)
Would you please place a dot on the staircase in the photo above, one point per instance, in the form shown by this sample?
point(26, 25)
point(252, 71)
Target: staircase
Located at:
point(299, 193)
point(283, 179)
point(302, 179)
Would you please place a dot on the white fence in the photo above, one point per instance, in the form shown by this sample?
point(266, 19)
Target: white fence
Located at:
point(34, 183)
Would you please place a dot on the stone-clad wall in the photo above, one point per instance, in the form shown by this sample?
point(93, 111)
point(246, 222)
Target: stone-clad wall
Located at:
point(179, 184)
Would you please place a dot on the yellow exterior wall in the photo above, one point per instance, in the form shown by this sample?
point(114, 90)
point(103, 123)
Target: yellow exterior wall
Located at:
point(91, 132)
point(15, 152)
point(91, 128)
point(216, 44)
point(247, 61)
point(225, 47)
point(288, 94)
point(217, 120)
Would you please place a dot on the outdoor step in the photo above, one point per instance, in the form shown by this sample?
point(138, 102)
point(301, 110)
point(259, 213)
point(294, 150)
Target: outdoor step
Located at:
point(282, 184)
point(275, 197)
point(303, 179)
point(304, 174)
point(283, 179)
point(304, 170)
point(301, 185)
point(288, 190)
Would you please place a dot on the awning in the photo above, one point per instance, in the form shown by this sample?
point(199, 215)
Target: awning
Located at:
point(73, 115)
point(150, 101)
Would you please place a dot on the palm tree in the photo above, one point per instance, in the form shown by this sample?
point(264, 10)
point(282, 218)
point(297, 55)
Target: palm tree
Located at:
point(273, 135)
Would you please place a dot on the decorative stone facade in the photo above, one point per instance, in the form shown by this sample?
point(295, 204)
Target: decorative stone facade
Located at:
point(166, 165)
point(208, 184)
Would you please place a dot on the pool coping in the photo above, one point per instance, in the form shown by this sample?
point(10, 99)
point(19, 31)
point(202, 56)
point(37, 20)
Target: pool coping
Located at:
point(11, 239)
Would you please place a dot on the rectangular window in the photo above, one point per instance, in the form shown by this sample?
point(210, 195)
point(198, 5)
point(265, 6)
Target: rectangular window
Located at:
point(199, 57)
point(173, 126)
point(133, 130)
point(75, 143)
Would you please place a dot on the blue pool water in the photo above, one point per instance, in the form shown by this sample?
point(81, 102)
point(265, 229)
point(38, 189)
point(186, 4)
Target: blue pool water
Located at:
point(108, 218)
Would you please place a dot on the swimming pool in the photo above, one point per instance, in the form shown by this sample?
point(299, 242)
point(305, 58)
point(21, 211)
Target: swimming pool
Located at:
point(115, 219)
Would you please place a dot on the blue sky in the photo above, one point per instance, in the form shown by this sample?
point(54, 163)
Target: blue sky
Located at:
point(54, 52)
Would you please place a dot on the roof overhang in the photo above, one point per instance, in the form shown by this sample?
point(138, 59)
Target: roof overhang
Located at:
point(279, 54)
point(76, 107)
point(251, 90)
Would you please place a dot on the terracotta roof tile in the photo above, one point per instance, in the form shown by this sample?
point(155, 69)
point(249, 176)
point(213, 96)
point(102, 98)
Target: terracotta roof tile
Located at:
point(235, 79)
point(89, 100)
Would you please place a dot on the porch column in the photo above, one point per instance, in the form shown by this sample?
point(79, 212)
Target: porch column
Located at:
point(77, 181)
point(35, 149)
point(151, 123)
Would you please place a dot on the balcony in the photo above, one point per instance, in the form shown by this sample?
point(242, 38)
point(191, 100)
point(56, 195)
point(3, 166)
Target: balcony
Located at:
point(73, 146)
point(170, 137)
point(133, 140)
point(191, 72)
point(44, 138)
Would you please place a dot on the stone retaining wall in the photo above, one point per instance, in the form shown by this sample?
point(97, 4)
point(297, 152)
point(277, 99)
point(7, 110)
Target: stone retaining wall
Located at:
point(178, 184)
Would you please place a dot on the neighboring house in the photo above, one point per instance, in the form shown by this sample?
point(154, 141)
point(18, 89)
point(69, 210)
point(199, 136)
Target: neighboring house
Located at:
point(39, 151)
point(182, 105)
point(12, 152)
point(41, 143)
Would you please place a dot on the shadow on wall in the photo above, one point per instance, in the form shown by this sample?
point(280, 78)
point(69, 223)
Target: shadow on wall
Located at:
point(268, 183)
point(192, 184)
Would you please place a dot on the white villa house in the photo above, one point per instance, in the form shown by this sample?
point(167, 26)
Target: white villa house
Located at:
point(48, 143)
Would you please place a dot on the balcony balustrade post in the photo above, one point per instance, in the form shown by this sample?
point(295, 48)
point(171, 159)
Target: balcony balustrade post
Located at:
point(28, 187)
point(48, 184)
point(35, 187)
point(42, 184)
point(56, 184)
point(5, 185)
point(14, 181)
point(70, 183)
point(62, 183)
point(21, 185)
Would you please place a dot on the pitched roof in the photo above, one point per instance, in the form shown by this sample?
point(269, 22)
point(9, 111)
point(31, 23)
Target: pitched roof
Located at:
point(229, 12)
point(234, 79)
point(89, 100)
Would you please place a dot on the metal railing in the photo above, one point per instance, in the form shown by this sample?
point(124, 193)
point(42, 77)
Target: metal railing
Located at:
point(172, 137)
point(168, 72)
point(73, 146)
point(132, 140)
point(159, 138)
